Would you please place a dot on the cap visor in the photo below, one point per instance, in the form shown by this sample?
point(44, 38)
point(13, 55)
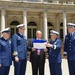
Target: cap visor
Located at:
point(70, 26)
point(52, 34)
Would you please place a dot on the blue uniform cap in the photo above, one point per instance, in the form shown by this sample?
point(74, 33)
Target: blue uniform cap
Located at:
point(52, 32)
point(6, 30)
point(70, 25)
point(22, 26)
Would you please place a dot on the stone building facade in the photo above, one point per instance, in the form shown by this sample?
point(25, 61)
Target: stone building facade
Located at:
point(43, 15)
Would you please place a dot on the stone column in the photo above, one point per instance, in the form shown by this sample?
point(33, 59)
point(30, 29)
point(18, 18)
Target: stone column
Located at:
point(57, 26)
point(45, 26)
point(25, 21)
point(64, 24)
point(2, 19)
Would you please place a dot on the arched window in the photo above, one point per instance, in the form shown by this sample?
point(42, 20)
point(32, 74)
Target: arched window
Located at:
point(49, 24)
point(32, 27)
point(32, 23)
point(13, 25)
point(61, 24)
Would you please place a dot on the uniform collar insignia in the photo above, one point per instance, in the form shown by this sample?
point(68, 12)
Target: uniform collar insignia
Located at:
point(55, 42)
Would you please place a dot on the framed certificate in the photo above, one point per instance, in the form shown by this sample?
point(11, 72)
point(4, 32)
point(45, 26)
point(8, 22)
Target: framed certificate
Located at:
point(39, 44)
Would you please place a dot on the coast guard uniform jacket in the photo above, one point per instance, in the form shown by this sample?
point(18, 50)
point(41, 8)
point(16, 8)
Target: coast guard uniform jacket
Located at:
point(54, 53)
point(69, 47)
point(19, 46)
point(55, 57)
point(5, 52)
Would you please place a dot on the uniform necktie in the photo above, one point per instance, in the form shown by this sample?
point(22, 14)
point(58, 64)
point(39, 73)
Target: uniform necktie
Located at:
point(38, 52)
point(70, 35)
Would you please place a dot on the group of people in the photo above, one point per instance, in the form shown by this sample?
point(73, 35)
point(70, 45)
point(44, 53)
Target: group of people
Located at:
point(16, 51)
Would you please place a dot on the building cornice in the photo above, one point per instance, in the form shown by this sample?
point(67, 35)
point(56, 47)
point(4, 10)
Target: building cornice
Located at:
point(8, 5)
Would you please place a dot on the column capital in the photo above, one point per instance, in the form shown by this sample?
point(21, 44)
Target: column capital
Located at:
point(3, 9)
point(64, 11)
point(25, 10)
point(45, 11)
point(24, 13)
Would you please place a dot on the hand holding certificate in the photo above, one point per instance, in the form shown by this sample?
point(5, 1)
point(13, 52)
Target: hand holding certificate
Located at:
point(49, 45)
point(39, 44)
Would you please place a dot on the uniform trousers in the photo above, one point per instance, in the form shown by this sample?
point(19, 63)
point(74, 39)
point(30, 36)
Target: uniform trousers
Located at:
point(4, 70)
point(55, 68)
point(71, 65)
point(20, 67)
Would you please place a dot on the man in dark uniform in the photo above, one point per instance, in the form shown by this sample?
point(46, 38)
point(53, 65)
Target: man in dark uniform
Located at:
point(54, 47)
point(37, 57)
point(69, 47)
point(19, 47)
point(5, 52)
